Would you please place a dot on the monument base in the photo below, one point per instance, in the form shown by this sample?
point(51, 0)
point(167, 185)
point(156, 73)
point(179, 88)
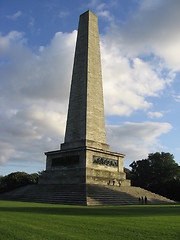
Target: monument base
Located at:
point(84, 165)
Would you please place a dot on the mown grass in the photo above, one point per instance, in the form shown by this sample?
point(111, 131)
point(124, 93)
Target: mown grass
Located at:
point(46, 221)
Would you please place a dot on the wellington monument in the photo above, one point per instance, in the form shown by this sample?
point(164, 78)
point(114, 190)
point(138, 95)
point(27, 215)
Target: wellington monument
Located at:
point(84, 171)
point(85, 157)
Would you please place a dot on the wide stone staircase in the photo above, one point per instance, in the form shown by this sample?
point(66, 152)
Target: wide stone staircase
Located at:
point(82, 194)
point(113, 195)
point(48, 193)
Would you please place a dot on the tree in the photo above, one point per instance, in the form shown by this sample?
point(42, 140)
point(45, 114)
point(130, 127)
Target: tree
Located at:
point(164, 168)
point(141, 173)
point(128, 173)
point(1, 177)
point(158, 173)
point(17, 179)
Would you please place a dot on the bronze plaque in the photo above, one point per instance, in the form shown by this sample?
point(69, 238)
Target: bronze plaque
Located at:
point(105, 161)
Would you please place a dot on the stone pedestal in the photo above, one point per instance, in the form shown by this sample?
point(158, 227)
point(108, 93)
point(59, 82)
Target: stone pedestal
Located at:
point(85, 165)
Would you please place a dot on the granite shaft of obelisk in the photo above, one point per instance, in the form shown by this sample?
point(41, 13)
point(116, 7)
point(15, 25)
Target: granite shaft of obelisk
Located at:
point(85, 119)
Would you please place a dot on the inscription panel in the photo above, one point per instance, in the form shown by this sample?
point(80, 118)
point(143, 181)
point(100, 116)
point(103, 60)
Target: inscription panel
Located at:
point(105, 161)
point(65, 161)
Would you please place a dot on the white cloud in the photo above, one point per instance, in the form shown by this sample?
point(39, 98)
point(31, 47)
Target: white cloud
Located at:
point(63, 14)
point(177, 98)
point(105, 14)
point(26, 134)
point(36, 76)
point(136, 140)
point(147, 5)
point(7, 150)
point(31, 22)
point(15, 15)
point(127, 82)
point(13, 37)
point(155, 114)
point(36, 118)
point(102, 9)
point(34, 95)
point(153, 29)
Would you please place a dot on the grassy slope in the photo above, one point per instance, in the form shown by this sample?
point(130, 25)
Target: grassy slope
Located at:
point(46, 221)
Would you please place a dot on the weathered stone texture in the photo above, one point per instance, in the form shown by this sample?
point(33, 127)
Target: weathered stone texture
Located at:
point(85, 157)
point(85, 119)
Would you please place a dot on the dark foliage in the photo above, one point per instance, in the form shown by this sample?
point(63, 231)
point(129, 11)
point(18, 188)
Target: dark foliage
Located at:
point(128, 173)
point(17, 179)
point(158, 173)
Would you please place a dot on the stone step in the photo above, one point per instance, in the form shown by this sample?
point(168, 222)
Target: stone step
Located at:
point(121, 195)
point(83, 194)
point(48, 193)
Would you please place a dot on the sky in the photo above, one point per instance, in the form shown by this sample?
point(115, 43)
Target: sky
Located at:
point(140, 56)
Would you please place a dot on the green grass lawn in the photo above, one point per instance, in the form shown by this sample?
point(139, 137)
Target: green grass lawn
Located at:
point(46, 221)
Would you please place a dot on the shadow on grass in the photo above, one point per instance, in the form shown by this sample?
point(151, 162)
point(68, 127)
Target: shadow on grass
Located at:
point(124, 211)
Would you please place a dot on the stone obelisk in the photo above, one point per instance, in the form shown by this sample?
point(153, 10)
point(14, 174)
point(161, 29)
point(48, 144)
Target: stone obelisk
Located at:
point(76, 173)
point(85, 157)
point(85, 121)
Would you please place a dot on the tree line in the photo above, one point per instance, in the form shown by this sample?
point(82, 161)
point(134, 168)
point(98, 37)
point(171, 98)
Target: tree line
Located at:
point(17, 179)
